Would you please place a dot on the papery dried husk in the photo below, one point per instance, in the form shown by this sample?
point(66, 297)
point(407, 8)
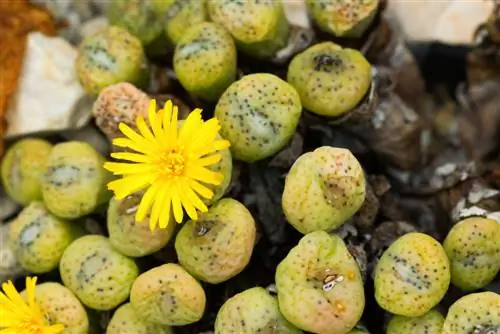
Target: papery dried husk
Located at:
point(300, 39)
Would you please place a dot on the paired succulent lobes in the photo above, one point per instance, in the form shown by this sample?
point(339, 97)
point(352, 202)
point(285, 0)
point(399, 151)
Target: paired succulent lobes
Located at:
point(323, 189)
point(319, 285)
point(126, 321)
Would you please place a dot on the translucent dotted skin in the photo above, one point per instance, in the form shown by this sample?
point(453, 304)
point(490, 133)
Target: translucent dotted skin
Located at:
point(168, 295)
point(473, 312)
point(97, 273)
point(323, 189)
point(319, 285)
point(330, 80)
point(412, 276)
point(219, 244)
point(126, 321)
point(429, 323)
point(252, 311)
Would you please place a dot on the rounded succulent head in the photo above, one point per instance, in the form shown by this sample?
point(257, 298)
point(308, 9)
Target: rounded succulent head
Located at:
point(359, 329)
point(252, 311)
point(259, 27)
point(22, 169)
point(323, 189)
point(219, 244)
point(412, 275)
point(39, 239)
point(473, 248)
point(168, 295)
point(60, 306)
point(96, 273)
point(330, 80)
point(258, 114)
point(108, 57)
point(319, 285)
point(74, 182)
point(131, 238)
point(474, 313)
point(225, 167)
point(126, 321)
point(429, 323)
point(343, 18)
point(205, 60)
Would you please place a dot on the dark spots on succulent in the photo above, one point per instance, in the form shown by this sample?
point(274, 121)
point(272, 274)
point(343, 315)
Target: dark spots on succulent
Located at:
point(429, 323)
point(126, 321)
point(326, 62)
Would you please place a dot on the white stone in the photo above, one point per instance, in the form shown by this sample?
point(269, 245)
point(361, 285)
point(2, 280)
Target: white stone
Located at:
point(49, 96)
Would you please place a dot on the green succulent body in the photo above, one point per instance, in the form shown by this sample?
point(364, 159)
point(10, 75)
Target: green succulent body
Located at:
point(225, 167)
point(323, 189)
point(320, 288)
point(259, 27)
point(346, 18)
point(74, 182)
point(219, 244)
point(126, 321)
point(205, 60)
point(97, 273)
point(412, 276)
point(111, 56)
point(168, 295)
point(39, 239)
point(330, 80)
point(22, 169)
point(258, 114)
point(250, 312)
point(429, 323)
point(473, 247)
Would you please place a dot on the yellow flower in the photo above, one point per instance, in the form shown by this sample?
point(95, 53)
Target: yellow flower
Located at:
point(17, 317)
point(171, 163)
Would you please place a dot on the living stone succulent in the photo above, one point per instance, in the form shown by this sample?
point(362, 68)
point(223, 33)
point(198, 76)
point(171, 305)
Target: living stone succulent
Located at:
point(126, 321)
point(323, 189)
point(168, 295)
point(259, 27)
point(111, 56)
point(74, 182)
point(429, 323)
point(22, 169)
point(359, 329)
point(473, 247)
point(412, 275)
point(219, 244)
point(330, 80)
point(250, 312)
point(60, 306)
point(205, 60)
point(131, 238)
point(224, 167)
point(319, 285)
point(96, 273)
point(476, 313)
point(343, 18)
point(258, 114)
point(39, 239)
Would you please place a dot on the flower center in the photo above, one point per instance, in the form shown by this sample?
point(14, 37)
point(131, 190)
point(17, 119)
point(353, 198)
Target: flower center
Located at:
point(172, 162)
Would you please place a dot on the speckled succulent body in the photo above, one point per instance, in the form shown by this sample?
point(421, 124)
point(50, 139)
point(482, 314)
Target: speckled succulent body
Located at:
point(359, 330)
point(131, 238)
point(168, 295)
point(111, 56)
point(74, 182)
point(250, 312)
point(330, 80)
point(96, 273)
point(219, 244)
point(473, 247)
point(412, 275)
point(259, 27)
point(225, 167)
point(346, 18)
point(473, 313)
point(205, 60)
point(319, 285)
point(258, 114)
point(429, 323)
point(323, 189)
point(126, 321)
point(22, 169)
point(39, 239)
point(60, 306)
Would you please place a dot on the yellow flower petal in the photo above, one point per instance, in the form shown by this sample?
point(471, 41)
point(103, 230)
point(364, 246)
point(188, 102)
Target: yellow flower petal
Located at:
point(134, 157)
point(129, 185)
point(165, 212)
point(136, 146)
point(123, 168)
point(177, 204)
point(201, 189)
point(204, 175)
point(144, 129)
point(146, 202)
point(210, 160)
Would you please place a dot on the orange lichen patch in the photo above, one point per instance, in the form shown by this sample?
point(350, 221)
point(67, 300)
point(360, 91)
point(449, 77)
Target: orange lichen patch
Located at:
point(17, 19)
